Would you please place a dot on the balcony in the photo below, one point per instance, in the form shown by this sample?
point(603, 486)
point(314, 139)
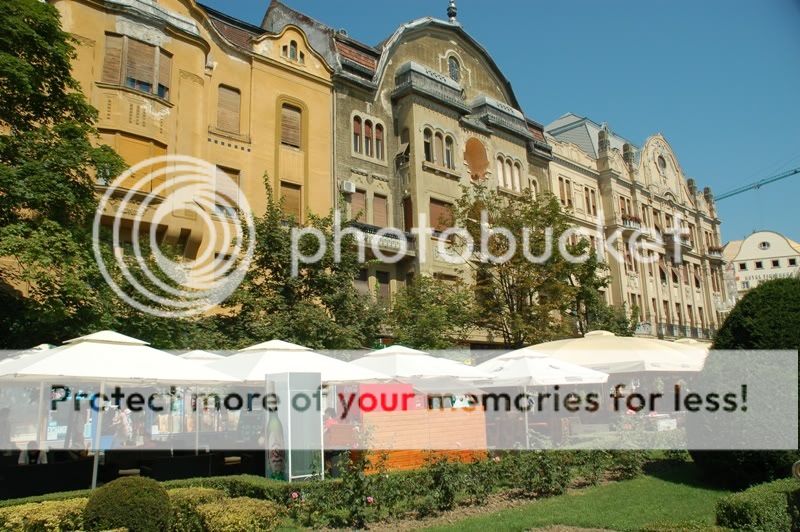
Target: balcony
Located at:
point(671, 240)
point(386, 238)
point(413, 78)
point(631, 222)
point(671, 330)
point(714, 253)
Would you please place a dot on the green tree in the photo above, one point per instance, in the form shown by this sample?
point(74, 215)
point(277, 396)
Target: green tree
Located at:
point(521, 301)
point(319, 306)
point(767, 317)
point(432, 314)
point(47, 169)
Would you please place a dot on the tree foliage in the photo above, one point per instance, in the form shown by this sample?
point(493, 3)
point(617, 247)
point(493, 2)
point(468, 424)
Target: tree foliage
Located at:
point(429, 313)
point(320, 306)
point(520, 300)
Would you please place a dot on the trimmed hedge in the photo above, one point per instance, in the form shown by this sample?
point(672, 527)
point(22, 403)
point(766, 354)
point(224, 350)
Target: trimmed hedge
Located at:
point(241, 514)
point(184, 503)
point(137, 503)
point(48, 516)
point(767, 507)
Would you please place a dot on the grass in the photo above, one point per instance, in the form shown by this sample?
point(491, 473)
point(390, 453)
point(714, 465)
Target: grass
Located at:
point(669, 493)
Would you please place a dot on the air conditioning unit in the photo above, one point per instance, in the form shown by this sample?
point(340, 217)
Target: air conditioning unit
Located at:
point(348, 187)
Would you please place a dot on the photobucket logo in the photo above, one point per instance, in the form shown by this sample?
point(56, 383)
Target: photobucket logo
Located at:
point(456, 245)
point(162, 194)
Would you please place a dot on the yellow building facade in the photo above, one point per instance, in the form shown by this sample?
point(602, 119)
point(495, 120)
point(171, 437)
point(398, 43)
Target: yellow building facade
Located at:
point(170, 77)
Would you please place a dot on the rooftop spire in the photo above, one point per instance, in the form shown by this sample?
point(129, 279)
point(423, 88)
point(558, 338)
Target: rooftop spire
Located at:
point(452, 11)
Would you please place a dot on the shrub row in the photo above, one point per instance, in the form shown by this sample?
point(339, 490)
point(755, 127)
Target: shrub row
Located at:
point(769, 507)
point(207, 504)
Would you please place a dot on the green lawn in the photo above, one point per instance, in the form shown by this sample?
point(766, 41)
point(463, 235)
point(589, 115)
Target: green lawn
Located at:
point(668, 493)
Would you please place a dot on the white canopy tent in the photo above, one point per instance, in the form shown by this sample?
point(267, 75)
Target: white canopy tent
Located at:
point(539, 370)
point(604, 351)
point(252, 364)
point(202, 357)
point(422, 370)
point(107, 357)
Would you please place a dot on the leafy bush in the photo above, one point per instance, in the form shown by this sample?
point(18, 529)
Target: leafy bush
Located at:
point(628, 463)
point(768, 317)
point(445, 481)
point(49, 516)
point(241, 514)
point(184, 502)
point(766, 507)
point(137, 503)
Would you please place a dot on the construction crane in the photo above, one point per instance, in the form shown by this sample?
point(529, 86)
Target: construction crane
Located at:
point(758, 184)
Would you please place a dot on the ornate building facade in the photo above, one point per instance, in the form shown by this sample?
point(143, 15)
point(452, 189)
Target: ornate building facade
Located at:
point(392, 131)
point(171, 77)
point(761, 256)
point(613, 186)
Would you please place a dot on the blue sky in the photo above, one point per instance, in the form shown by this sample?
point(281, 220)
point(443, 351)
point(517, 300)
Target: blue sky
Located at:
point(719, 78)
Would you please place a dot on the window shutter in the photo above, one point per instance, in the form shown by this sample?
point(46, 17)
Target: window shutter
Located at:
point(380, 211)
point(290, 126)
point(408, 214)
point(228, 109)
point(112, 63)
point(357, 126)
point(226, 187)
point(140, 64)
point(384, 288)
point(441, 215)
point(164, 69)
point(292, 199)
point(358, 205)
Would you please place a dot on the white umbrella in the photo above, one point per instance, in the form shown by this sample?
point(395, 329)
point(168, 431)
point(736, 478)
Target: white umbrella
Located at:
point(604, 351)
point(404, 363)
point(107, 356)
point(539, 370)
point(253, 363)
point(203, 357)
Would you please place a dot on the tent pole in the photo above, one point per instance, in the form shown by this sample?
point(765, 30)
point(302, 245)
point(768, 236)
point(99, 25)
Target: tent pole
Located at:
point(98, 429)
point(41, 426)
point(196, 421)
point(527, 408)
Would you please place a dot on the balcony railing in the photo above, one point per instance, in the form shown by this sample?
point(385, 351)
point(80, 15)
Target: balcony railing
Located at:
point(671, 240)
point(672, 330)
point(714, 252)
point(385, 240)
point(631, 222)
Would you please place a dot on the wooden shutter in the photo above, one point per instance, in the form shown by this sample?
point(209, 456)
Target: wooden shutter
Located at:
point(140, 64)
point(226, 187)
point(290, 125)
point(292, 199)
point(408, 214)
point(380, 211)
point(358, 205)
point(384, 289)
point(164, 72)
point(112, 63)
point(441, 215)
point(228, 109)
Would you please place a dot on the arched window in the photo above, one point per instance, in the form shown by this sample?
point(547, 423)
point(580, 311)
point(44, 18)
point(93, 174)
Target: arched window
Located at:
point(357, 134)
point(500, 178)
point(439, 147)
point(293, 50)
point(428, 145)
point(509, 172)
point(379, 141)
point(454, 69)
point(368, 138)
point(448, 153)
point(517, 185)
point(534, 188)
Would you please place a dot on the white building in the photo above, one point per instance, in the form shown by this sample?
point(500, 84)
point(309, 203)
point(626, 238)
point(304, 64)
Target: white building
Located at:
point(762, 256)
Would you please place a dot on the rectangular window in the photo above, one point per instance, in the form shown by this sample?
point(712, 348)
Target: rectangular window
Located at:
point(358, 206)
point(776, 264)
point(292, 197)
point(759, 265)
point(792, 262)
point(441, 214)
point(742, 266)
point(137, 65)
point(226, 191)
point(380, 211)
point(569, 193)
point(362, 282)
point(384, 288)
point(408, 214)
point(291, 120)
point(229, 109)
point(562, 191)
